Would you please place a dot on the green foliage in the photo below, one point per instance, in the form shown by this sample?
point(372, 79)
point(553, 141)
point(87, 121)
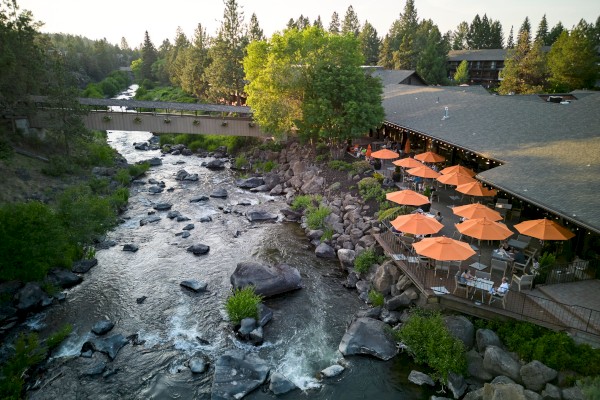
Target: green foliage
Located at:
point(195, 145)
point(136, 170)
point(364, 260)
point(243, 303)
point(59, 166)
point(572, 62)
point(321, 158)
point(271, 145)
point(379, 177)
point(241, 161)
point(301, 202)
point(429, 342)
point(54, 340)
point(6, 150)
point(525, 70)
point(590, 387)
point(28, 353)
point(123, 177)
point(266, 166)
point(391, 213)
point(327, 234)
point(98, 153)
point(119, 198)
point(376, 298)
point(369, 188)
point(99, 185)
point(462, 73)
point(207, 142)
point(33, 241)
point(360, 167)
point(340, 165)
point(315, 216)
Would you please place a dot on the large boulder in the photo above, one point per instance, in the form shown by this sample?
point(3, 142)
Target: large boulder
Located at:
point(29, 297)
point(279, 384)
point(324, 250)
point(219, 193)
point(551, 392)
point(257, 215)
point(237, 374)
point(102, 327)
point(250, 183)
point(510, 391)
point(83, 266)
point(535, 375)
point(63, 278)
point(267, 280)
point(485, 338)
point(198, 249)
point(572, 393)
point(216, 164)
point(498, 362)
point(386, 275)
point(368, 336)
point(313, 185)
point(346, 257)
point(461, 328)
point(475, 366)
point(420, 378)
point(107, 345)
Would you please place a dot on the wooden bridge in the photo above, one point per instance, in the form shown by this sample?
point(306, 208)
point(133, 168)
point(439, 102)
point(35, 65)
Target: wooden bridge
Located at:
point(158, 117)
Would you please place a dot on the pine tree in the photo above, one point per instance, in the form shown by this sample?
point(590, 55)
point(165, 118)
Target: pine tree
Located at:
point(398, 49)
point(496, 40)
point(254, 31)
point(461, 75)
point(124, 45)
point(510, 42)
point(149, 57)
point(572, 62)
point(459, 36)
point(334, 25)
point(369, 44)
point(525, 69)
point(555, 33)
point(431, 62)
point(193, 79)
point(474, 37)
point(350, 23)
point(175, 59)
point(542, 31)
point(525, 27)
point(318, 23)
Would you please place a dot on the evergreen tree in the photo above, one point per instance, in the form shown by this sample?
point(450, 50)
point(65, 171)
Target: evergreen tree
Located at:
point(496, 39)
point(486, 33)
point(542, 31)
point(369, 44)
point(254, 31)
point(461, 75)
point(475, 35)
point(124, 45)
point(432, 60)
point(318, 23)
point(291, 24)
point(572, 62)
point(510, 42)
point(525, 28)
point(334, 25)
point(459, 37)
point(302, 22)
point(525, 69)
point(175, 59)
point(350, 23)
point(193, 79)
point(149, 57)
point(555, 33)
point(398, 49)
point(225, 73)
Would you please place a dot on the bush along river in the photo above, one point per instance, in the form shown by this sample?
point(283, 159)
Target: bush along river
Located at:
point(138, 333)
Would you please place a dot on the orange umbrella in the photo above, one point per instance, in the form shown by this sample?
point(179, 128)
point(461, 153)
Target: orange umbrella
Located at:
point(408, 162)
point(458, 168)
point(442, 248)
point(484, 229)
point(368, 153)
point(475, 189)
point(407, 197)
point(477, 210)
point(423, 171)
point(544, 229)
point(407, 146)
point(385, 154)
point(430, 157)
point(417, 224)
point(455, 178)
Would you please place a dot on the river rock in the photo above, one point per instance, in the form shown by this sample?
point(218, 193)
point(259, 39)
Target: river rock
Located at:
point(83, 266)
point(199, 249)
point(509, 391)
point(184, 234)
point(368, 336)
point(257, 336)
point(150, 219)
point(188, 227)
point(102, 327)
point(237, 374)
point(107, 345)
point(162, 206)
point(535, 375)
point(397, 302)
point(265, 314)
point(155, 189)
point(63, 278)
point(346, 257)
point(485, 338)
point(461, 328)
point(194, 285)
point(250, 183)
point(386, 275)
point(173, 214)
point(420, 378)
point(96, 368)
point(475, 366)
point(219, 193)
point(313, 185)
point(155, 162)
point(279, 384)
point(247, 325)
point(29, 297)
point(457, 385)
point(267, 280)
point(324, 250)
point(130, 247)
point(498, 362)
point(291, 215)
point(572, 393)
point(331, 371)
point(198, 365)
point(181, 174)
point(260, 215)
point(206, 218)
point(551, 392)
point(215, 164)
point(191, 177)
point(199, 199)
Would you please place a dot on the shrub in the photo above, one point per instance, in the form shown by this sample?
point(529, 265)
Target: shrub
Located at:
point(315, 217)
point(59, 166)
point(360, 167)
point(301, 202)
point(243, 303)
point(369, 188)
point(271, 145)
point(119, 198)
point(99, 185)
point(54, 340)
point(241, 161)
point(28, 353)
point(391, 213)
point(364, 260)
point(6, 150)
point(321, 158)
point(136, 170)
point(340, 165)
point(166, 139)
point(327, 234)
point(429, 342)
point(379, 177)
point(376, 298)
point(590, 387)
point(122, 176)
point(195, 145)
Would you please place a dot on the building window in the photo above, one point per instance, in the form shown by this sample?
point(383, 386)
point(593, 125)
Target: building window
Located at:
point(493, 66)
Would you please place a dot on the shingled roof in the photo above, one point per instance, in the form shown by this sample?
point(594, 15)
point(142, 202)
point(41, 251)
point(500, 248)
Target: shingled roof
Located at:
point(550, 151)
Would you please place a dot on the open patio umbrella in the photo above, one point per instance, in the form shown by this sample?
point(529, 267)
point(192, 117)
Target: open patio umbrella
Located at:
point(385, 154)
point(443, 248)
point(424, 172)
point(407, 146)
point(458, 168)
point(544, 229)
point(430, 157)
point(455, 178)
point(408, 162)
point(407, 198)
point(368, 153)
point(477, 210)
point(417, 224)
point(475, 188)
point(484, 229)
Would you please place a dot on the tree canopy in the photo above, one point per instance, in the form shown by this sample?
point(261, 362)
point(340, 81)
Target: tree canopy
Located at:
point(311, 82)
point(572, 62)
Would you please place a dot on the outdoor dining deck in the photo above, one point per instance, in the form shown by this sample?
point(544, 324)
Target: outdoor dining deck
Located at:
point(540, 305)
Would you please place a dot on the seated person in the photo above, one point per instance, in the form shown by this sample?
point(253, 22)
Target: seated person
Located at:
point(519, 257)
point(535, 267)
point(466, 276)
point(504, 246)
point(502, 289)
point(439, 217)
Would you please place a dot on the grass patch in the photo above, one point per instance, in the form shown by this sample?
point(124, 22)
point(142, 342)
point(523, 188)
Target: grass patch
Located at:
point(243, 303)
point(376, 298)
point(327, 234)
point(301, 202)
point(364, 260)
point(315, 216)
point(136, 170)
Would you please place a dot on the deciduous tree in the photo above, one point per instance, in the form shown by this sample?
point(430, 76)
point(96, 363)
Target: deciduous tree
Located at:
point(572, 62)
point(462, 73)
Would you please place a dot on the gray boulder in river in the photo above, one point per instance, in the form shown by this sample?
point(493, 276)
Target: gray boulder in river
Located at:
point(267, 280)
point(237, 374)
point(368, 336)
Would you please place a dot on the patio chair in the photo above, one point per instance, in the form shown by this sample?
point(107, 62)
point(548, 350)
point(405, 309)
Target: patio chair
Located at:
point(484, 275)
point(443, 266)
point(498, 265)
point(499, 296)
point(523, 281)
point(522, 266)
point(424, 262)
point(458, 284)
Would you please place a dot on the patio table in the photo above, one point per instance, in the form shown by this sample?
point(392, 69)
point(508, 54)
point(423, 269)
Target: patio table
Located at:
point(517, 244)
point(481, 284)
point(478, 266)
point(499, 256)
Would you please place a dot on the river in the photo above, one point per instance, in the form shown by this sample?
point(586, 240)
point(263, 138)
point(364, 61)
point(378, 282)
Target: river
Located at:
point(176, 324)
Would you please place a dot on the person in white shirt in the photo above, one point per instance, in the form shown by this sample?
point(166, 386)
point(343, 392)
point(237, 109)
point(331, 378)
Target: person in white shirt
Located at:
point(502, 289)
